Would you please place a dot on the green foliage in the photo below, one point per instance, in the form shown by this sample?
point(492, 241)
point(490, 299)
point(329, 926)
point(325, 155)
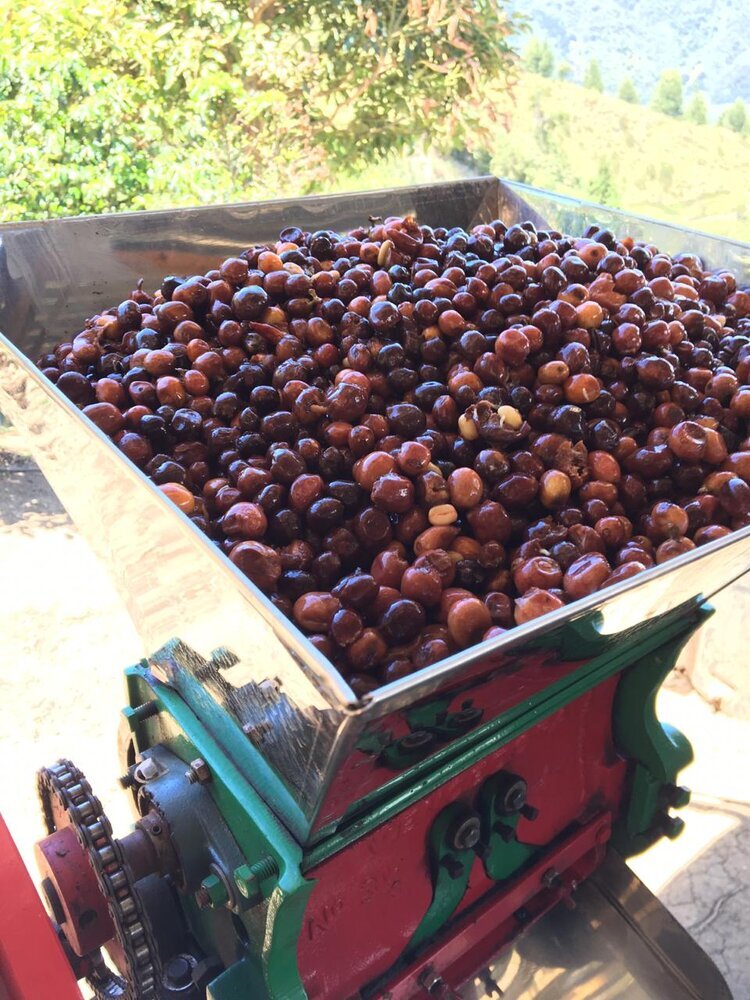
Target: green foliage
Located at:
point(697, 110)
point(628, 92)
point(602, 187)
point(129, 104)
point(667, 97)
point(735, 117)
point(564, 71)
point(539, 58)
point(593, 78)
point(476, 163)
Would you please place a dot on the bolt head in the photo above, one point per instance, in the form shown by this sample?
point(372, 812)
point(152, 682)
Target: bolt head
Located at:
point(672, 826)
point(453, 866)
point(178, 972)
point(256, 732)
point(512, 794)
point(416, 740)
point(246, 882)
point(676, 796)
point(467, 716)
point(466, 834)
point(429, 979)
point(550, 877)
point(504, 832)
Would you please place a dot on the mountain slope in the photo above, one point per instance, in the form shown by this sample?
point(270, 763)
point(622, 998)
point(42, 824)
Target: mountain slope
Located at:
point(593, 146)
point(641, 38)
point(590, 145)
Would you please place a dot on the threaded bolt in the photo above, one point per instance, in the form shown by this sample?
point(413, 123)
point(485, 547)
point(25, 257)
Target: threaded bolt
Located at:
point(138, 714)
point(265, 868)
point(248, 878)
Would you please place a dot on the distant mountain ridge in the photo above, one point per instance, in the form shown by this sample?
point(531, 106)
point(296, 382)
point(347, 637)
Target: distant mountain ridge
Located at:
point(706, 41)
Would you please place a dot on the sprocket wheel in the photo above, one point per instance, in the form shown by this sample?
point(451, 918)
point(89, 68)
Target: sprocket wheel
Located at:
point(67, 801)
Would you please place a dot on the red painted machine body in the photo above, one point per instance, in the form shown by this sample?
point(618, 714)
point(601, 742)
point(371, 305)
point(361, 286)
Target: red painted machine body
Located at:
point(493, 686)
point(383, 881)
point(33, 965)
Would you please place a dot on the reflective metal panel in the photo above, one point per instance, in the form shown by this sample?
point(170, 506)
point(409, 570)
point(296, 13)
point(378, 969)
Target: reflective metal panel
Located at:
point(204, 627)
point(570, 215)
point(619, 943)
point(54, 274)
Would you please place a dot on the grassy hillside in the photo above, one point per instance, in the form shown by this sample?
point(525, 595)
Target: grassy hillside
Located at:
point(593, 146)
point(588, 144)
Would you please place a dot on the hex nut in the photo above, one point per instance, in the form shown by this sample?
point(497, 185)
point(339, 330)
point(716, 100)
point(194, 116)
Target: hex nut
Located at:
point(198, 772)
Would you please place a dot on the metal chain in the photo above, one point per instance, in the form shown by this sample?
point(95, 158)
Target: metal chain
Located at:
point(64, 781)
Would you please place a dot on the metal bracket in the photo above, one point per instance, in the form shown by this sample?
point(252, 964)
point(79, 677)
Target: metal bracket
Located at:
point(430, 724)
point(502, 798)
point(659, 752)
point(453, 839)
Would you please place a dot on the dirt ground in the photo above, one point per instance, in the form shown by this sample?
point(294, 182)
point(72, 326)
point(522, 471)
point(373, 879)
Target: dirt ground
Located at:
point(66, 639)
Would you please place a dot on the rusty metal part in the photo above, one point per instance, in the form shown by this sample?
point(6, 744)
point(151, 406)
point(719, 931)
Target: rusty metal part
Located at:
point(69, 804)
point(138, 851)
point(198, 772)
point(72, 890)
point(149, 849)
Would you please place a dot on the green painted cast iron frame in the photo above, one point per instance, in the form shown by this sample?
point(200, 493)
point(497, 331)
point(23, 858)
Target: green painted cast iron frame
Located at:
point(265, 969)
point(450, 867)
point(502, 857)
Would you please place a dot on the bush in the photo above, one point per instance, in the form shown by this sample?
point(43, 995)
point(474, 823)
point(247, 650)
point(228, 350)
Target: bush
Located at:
point(668, 94)
point(697, 111)
point(735, 117)
point(628, 92)
point(593, 78)
point(138, 103)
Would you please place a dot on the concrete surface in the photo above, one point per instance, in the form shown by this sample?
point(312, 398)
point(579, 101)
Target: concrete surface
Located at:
point(703, 876)
point(66, 639)
point(716, 660)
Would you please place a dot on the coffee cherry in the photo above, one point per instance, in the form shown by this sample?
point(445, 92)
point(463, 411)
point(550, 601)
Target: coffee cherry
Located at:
point(414, 438)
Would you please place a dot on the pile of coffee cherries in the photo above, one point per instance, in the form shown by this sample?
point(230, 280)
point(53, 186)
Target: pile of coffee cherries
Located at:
point(414, 438)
